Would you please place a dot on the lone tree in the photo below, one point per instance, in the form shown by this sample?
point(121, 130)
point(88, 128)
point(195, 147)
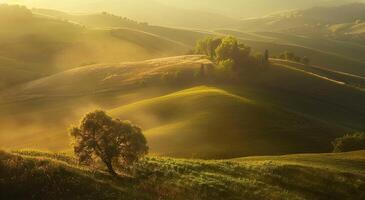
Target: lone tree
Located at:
point(116, 143)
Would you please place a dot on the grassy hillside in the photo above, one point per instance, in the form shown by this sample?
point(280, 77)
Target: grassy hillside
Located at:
point(92, 79)
point(307, 20)
point(13, 72)
point(106, 20)
point(63, 98)
point(69, 45)
point(343, 78)
point(315, 176)
point(99, 20)
point(194, 120)
point(307, 107)
point(310, 93)
point(45, 45)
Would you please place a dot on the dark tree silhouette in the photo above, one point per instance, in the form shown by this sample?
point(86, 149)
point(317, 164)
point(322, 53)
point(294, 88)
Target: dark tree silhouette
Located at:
point(116, 143)
point(350, 142)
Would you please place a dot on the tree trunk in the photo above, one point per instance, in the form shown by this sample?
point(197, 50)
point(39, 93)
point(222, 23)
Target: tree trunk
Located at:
point(110, 168)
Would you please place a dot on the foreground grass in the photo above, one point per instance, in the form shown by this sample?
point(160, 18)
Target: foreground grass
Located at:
point(38, 175)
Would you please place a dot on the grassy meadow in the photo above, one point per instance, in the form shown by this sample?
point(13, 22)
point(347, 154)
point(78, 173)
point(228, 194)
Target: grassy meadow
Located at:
point(317, 176)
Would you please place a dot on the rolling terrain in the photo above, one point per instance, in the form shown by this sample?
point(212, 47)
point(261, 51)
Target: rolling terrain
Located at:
point(27, 44)
point(336, 55)
point(310, 20)
point(107, 20)
point(312, 176)
point(254, 113)
point(256, 119)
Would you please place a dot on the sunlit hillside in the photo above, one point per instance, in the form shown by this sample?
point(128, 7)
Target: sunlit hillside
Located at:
point(312, 19)
point(182, 99)
point(107, 20)
point(48, 45)
point(187, 115)
point(316, 176)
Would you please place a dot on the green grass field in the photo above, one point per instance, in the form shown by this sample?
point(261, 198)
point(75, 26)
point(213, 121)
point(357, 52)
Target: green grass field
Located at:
point(195, 120)
point(28, 174)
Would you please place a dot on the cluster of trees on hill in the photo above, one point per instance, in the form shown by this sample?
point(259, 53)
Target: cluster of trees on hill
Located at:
point(349, 142)
point(287, 55)
point(230, 57)
point(229, 53)
point(123, 21)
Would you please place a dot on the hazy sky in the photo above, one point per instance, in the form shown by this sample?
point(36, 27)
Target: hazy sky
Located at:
point(233, 8)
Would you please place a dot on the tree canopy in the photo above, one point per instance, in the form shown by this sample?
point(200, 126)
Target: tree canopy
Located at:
point(350, 142)
point(114, 142)
point(228, 50)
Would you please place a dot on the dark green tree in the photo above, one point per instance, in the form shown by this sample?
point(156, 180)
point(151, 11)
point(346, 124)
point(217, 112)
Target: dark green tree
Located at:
point(231, 49)
point(207, 46)
point(116, 143)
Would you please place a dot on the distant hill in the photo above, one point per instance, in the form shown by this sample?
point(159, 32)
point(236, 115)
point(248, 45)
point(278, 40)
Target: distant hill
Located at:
point(251, 8)
point(339, 55)
point(314, 176)
point(183, 13)
point(99, 20)
point(313, 18)
point(145, 11)
point(107, 20)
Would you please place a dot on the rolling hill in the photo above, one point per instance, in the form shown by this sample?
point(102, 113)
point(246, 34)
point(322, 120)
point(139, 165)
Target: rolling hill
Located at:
point(342, 22)
point(107, 20)
point(62, 98)
point(144, 11)
point(253, 115)
point(308, 20)
point(315, 176)
point(46, 45)
point(13, 72)
point(214, 129)
point(183, 13)
point(194, 120)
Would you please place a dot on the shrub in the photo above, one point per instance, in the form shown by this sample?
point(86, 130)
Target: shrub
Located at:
point(350, 142)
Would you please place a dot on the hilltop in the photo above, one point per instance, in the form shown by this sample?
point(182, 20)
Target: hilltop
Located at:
point(314, 176)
